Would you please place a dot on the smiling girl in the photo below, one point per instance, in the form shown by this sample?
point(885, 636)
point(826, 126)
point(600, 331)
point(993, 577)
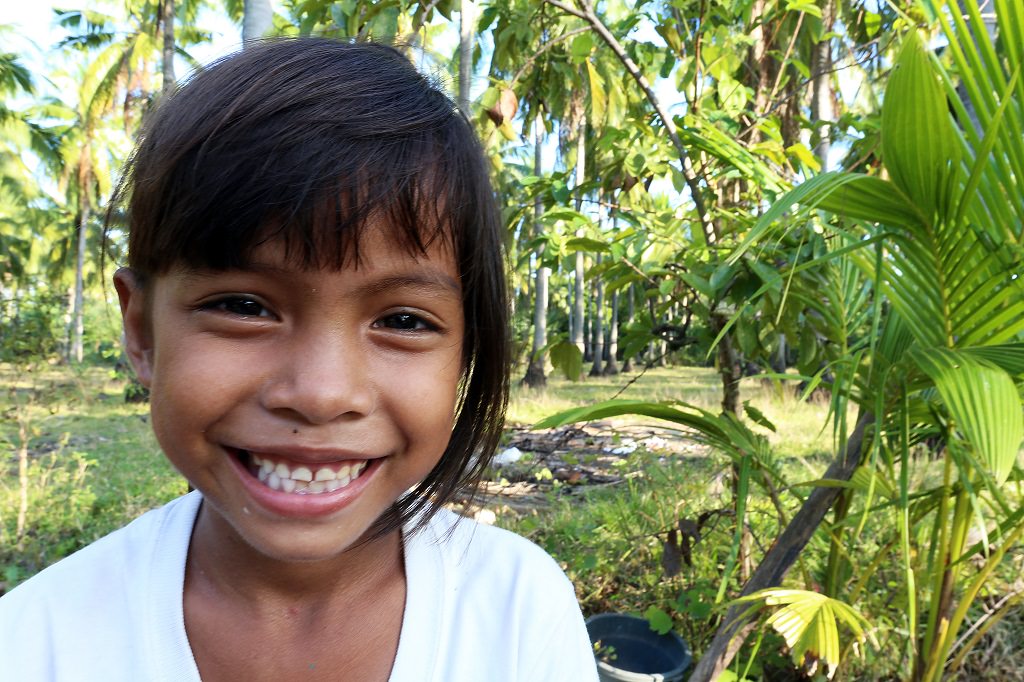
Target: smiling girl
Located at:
point(315, 298)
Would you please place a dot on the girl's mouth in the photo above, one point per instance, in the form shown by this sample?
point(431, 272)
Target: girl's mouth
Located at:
point(302, 479)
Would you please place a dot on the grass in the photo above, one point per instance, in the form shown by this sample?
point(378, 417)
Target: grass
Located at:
point(799, 423)
point(93, 464)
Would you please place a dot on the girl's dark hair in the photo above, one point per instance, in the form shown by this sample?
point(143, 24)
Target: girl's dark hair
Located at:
point(307, 140)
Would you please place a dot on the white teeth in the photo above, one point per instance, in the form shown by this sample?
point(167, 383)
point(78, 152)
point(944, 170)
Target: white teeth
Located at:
point(304, 479)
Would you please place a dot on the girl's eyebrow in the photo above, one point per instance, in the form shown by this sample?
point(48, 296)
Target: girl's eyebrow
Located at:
point(429, 282)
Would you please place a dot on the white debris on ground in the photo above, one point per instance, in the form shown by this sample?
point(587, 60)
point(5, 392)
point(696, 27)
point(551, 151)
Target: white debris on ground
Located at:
point(626, 446)
point(655, 443)
point(508, 456)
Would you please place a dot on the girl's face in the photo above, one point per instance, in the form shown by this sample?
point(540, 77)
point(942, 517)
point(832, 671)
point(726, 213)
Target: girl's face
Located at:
point(301, 403)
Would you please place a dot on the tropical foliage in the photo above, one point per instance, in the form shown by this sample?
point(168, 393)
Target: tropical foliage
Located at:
point(825, 193)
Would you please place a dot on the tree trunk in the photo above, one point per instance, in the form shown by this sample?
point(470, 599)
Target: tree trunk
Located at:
point(597, 331)
point(257, 20)
point(535, 374)
point(78, 314)
point(779, 361)
point(167, 23)
point(627, 361)
point(588, 323)
point(822, 111)
point(579, 304)
point(729, 367)
point(611, 367)
point(466, 22)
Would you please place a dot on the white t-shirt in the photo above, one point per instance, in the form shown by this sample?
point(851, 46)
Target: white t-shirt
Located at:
point(481, 604)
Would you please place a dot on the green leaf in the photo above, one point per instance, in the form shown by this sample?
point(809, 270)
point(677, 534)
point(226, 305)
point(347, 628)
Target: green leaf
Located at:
point(872, 199)
point(598, 98)
point(581, 47)
point(757, 416)
point(802, 154)
point(809, 622)
point(586, 244)
point(567, 358)
point(1009, 356)
point(983, 402)
point(851, 194)
point(919, 144)
point(660, 621)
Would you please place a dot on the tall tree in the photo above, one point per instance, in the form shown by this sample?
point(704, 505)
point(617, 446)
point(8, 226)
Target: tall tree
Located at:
point(536, 375)
point(257, 19)
point(167, 56)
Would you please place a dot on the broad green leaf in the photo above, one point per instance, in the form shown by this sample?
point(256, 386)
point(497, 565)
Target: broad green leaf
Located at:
point(660, 621)
point(809, 622)
point(567, 358)
point(919, 144)
point(581, 47)
point(1009, 356)
point(586, 244)
point(983, 402)
point(872, 199)
point(817, 189)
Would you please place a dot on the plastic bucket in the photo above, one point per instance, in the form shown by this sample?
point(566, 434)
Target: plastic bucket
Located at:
point(632, 652)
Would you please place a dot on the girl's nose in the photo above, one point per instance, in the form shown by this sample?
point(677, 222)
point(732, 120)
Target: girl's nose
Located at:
point(321, 378)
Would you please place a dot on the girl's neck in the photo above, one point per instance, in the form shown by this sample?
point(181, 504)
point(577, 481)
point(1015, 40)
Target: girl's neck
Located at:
point(221, 561)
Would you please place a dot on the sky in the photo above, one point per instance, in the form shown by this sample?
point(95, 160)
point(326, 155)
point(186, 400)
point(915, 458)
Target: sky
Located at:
point(35, 33)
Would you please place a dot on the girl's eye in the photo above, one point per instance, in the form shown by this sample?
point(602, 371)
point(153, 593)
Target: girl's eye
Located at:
point(240, 306)
point(403, 322)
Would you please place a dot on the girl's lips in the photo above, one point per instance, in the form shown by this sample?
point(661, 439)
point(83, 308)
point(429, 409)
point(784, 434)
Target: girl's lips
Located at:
point(289, 488)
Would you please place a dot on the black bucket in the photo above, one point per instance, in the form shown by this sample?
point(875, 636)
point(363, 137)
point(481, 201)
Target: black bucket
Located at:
point(630, 651)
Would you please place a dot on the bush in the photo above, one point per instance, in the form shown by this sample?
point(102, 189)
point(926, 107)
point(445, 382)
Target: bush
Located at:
point(31, 325)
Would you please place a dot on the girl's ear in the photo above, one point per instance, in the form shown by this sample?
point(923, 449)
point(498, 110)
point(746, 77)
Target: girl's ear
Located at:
point(138, 335)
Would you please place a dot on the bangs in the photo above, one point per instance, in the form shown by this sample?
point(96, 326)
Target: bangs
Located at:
point(308, 152)
point(321, 227)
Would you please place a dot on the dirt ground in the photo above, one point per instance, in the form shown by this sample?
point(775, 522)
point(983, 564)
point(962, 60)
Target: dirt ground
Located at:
point(525, 470)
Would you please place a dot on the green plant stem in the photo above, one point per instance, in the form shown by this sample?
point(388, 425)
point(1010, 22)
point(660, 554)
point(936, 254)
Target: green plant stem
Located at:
point(946, 630)
point(904, 524)
point(939, 563)
point(971, 593)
